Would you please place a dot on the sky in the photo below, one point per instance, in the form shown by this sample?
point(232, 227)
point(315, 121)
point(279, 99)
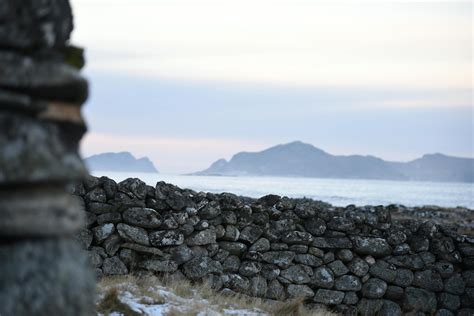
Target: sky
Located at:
point(186, 82)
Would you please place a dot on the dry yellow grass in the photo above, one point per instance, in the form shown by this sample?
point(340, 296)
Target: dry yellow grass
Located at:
point(202, 296)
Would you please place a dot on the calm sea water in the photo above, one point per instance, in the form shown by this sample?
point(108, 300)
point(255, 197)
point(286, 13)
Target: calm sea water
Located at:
point(339, 192)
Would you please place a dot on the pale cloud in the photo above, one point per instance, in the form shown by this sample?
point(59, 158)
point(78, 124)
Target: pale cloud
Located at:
point(284, 42)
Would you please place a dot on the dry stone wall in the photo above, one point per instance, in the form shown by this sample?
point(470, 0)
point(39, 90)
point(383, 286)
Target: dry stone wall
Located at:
point(352, 260)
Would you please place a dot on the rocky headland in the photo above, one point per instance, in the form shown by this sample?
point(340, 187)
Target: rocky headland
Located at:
point(373, 260)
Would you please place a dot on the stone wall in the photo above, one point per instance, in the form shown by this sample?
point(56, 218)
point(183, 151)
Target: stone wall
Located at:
point(350, 259)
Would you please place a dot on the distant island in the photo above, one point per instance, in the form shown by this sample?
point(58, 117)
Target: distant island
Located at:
point(304, 160)
point(120, 162)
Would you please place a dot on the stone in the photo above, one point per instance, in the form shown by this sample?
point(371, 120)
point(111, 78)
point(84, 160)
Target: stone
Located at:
point(250, 233)
point(282, 259)
point(204, 237)
point(358, 267)
point(444, 312)
point(270, 271)
point(142, 217)
point(113, 217)
point(103, 231)
point(211, 210)
point(128, 257)
point(419, 244)
point(328, 297)
point(404, 278)
point(156, 265)
point(296, 274)
point(429, 280)
point(232, 233)
point(342, 224)
point(100, 208)
point(261, 245)
point(299, 291)
point(419, 300)
point(443, 245)
point(114, 266)
point(468, 277)
point(258, 286)
point(374, 246)
point(112, 244)
point(348, 283)
point(315, 226)
point(396, 237)
point(345, 255)
point(297, 237)
point(96, 195)
point(300, 249)
point(350, 298)
point(143, 249)
point(316, 252)
point(412, 262)
point(374, 288)
point(133, 187)
point(237, 283)
point(250, 268)
point(449, 301)
point(383, 270)
point(181, 254)
point(394, 293)
point(275, 291)
point(308, 260)
point(231, 264)
point(323, 278)
point(390, 308)
point(338, 268)
point(369, 307)
point(234, 248)
point(133, 234)
point(401, 249)
point(199, 267)
point(162, 238)
point(332, 242)
point(455, 284)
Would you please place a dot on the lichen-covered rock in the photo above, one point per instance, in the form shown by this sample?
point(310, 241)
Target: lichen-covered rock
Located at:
point(348, 283)
point(338, 268)
point(234, 248)
point(429, 280)
point(419, 300)
point(315, 226)
point(323, 278)
point(299, 291)
point(261, 245)
point(155, 265)
point(142, 217)
point(282, 259)
point(297, 237)
point(251, 233)
point(328, 297)
point(359, 267)
point(162, 238)
point(374, 288)
point(374, 246)
point(308, 260)
point(133, 234)
point(250, 268)
point(103, 231)
point(298, 274)
point(383, 270)
point(204, 237)
point(114, 266)
point(198, 267)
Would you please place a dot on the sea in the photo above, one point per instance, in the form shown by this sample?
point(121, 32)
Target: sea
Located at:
point(339, 192)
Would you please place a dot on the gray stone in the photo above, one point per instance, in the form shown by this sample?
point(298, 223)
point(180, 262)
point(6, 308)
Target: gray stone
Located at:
point(211, 210)
point(237, 283)
point(261, 245)
point(468, 277)
point(232, 233)
point(299, 291)
point(300, 249)
point(338, 268)
point(383, 270)
point(231, 264)
point(348, 283)
point(412, 262)
point(143, 249)
point(181, 254)
point(258, 286)
point(250, 268)
point(328, 297)
point(234, 248)
point(275, 291)
point(142, 217)
point(103, 231)
point(374, 246)
point(449, 301)
point(419, 300)
point(323, 278)
point(156, 265)
point(114, 266)
point(332, 242)
point(133, 234)
point(113, 217)
point(419, 244)
point(345, 255)
point(297, 237)
point(251, 233)
point(96, 195)
point(282, 259)
point(270, 271)
point(100, 208)
point(390, 308)
point(358, 267)
point(199, 267)
point(112, 244)
point(84, 236)
point(308, 260)
point(404, 278)
point(162, 238)
point(445, 269)
point(444, 312)
point(455, 284)
point(350, 298)
point(296, 274)
point(128, 256)
point(374, 288)
point(204, 237)
point(394, 293)
point(342, 224)
point(429, 280)
point(315, 226)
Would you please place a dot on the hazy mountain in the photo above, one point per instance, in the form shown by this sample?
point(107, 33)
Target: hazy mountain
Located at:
point(123, 161)
point(305, 160)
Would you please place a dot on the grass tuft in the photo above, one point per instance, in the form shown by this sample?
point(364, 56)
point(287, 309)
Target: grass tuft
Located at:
point(111, 303)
